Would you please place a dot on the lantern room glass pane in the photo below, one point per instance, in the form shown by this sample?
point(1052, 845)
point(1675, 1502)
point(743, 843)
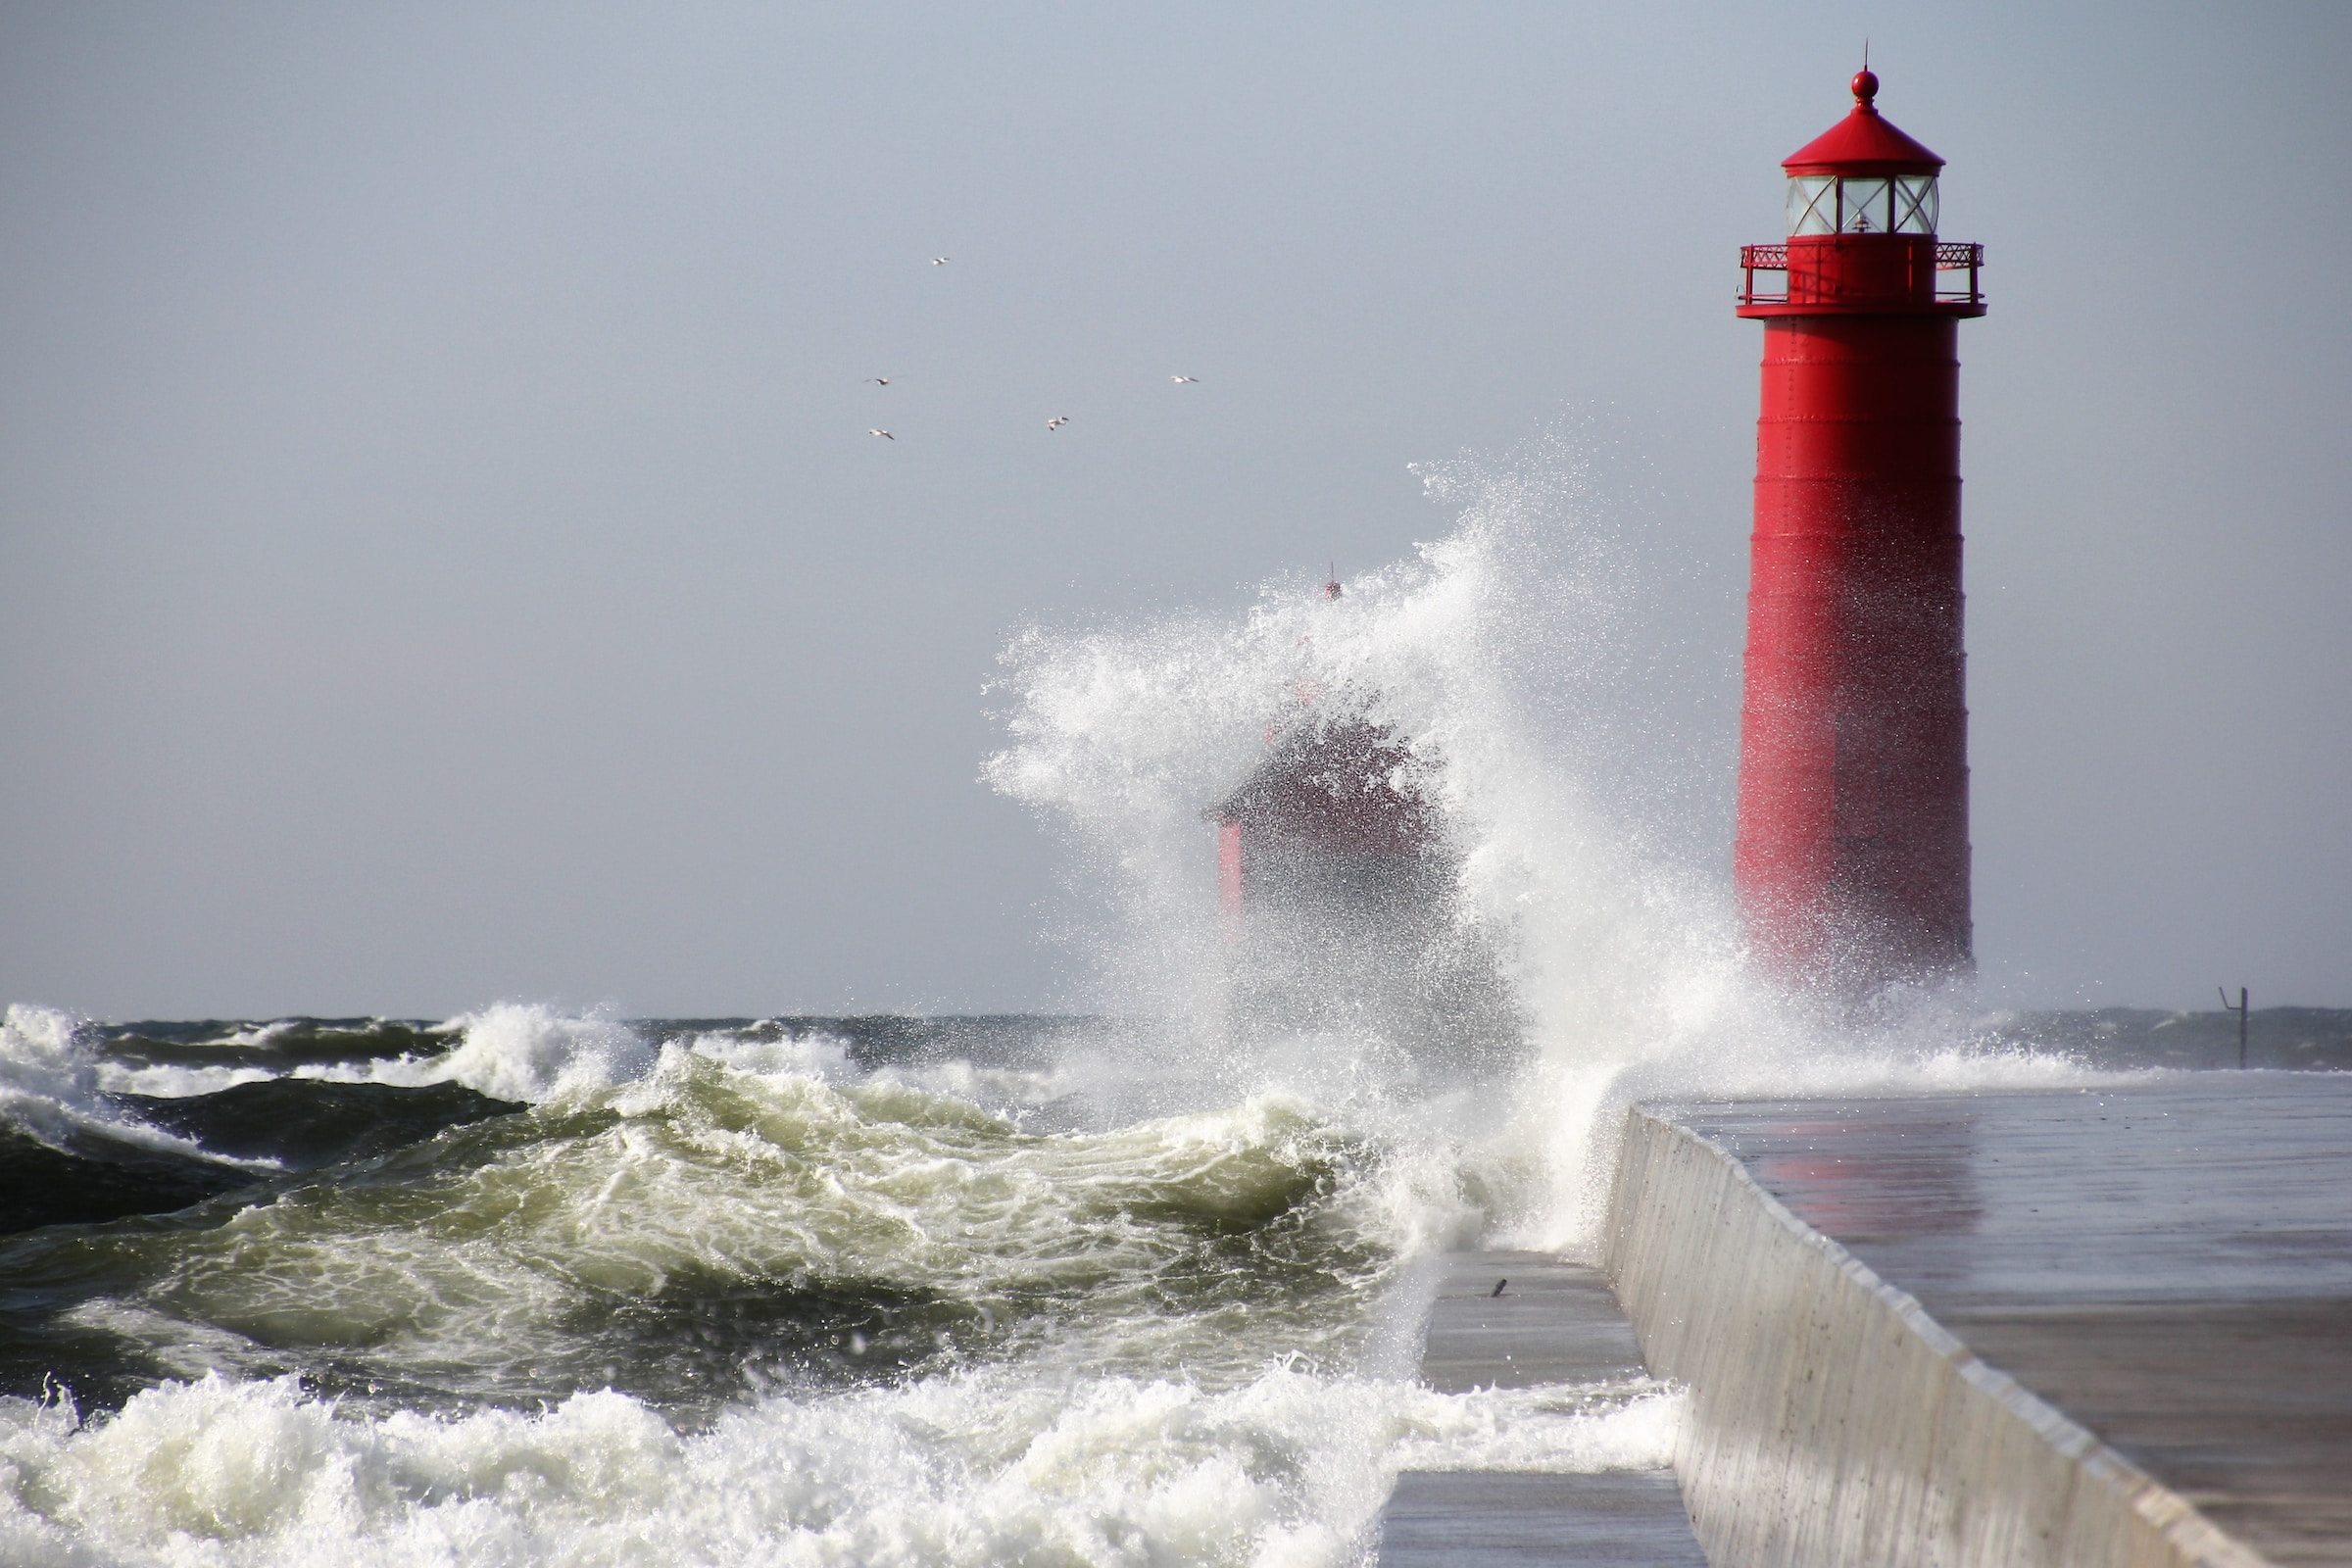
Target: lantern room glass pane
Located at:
point(1862, 207)
point(1915, 204)
point(1812, 205)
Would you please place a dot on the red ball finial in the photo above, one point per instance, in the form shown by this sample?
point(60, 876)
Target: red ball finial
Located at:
point(1866, 87)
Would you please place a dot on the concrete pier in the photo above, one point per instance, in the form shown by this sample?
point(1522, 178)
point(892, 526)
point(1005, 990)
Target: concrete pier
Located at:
point(1555, 1322)
point(2108, 1325)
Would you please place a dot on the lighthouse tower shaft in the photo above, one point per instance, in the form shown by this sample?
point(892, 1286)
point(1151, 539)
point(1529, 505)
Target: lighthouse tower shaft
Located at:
point(1852, 856)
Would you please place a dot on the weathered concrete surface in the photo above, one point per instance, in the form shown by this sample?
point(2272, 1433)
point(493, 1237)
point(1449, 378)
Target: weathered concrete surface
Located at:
point(1492, 1519)
point(1555, 1322)
point(2169, 1263)
point(1832, 1420)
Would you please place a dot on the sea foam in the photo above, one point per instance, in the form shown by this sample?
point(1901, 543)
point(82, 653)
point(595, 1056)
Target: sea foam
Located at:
point(1286, 1471)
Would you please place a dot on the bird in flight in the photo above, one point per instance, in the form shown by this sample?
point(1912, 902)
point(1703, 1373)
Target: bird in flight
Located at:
point(878, 380)
point(1058, 422)
point(884, 434)
point(941, 260)
point(1181, 380)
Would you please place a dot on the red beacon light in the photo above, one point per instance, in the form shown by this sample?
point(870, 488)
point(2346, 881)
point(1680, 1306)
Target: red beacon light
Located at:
point(1852, 855)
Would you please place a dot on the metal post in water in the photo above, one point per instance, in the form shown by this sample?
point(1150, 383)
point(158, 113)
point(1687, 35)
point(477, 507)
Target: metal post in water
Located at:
point(2244, 1012)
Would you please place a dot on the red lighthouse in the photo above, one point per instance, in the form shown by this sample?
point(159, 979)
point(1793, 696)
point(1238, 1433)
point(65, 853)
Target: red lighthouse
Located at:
point(1853, 861)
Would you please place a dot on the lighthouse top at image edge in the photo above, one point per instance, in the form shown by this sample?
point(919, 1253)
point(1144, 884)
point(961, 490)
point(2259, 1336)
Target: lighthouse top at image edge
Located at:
point(1862, 210)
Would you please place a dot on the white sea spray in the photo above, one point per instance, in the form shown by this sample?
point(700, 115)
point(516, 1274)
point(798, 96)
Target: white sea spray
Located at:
point(1513, 653)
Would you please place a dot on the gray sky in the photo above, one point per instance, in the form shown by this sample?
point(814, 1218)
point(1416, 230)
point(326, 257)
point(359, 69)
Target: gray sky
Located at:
point(444, 559)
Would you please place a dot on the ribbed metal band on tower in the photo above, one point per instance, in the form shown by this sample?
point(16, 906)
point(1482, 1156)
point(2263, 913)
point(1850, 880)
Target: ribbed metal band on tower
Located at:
point(1853, 856)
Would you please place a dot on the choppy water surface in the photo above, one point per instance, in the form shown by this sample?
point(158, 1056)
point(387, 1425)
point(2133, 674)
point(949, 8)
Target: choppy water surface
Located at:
point(526, 1286)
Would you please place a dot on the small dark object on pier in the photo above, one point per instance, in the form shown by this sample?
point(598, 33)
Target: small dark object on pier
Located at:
point(1498, 1285)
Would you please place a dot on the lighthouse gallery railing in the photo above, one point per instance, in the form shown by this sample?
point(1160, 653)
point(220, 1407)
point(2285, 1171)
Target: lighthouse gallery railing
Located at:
point(1951, 257)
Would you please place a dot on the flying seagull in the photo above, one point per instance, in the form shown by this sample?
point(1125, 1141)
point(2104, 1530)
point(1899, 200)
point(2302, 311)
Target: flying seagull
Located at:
point(878, 380)
point(941, 260)
point(884, 434)
point(1180, 380)
point(1058, 422)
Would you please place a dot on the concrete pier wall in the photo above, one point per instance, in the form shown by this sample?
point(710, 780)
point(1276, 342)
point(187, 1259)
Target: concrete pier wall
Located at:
point(1832, 1422)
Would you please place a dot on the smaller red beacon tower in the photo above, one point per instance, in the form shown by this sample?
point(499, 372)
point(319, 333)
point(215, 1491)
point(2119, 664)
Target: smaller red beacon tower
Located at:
point(1852, 859)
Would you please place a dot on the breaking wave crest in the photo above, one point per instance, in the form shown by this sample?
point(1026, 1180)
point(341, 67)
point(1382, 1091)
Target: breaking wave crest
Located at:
point(52, 1088)
point(518, 1050)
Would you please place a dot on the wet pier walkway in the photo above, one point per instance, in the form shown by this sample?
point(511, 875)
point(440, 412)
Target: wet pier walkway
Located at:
point(1557, 1322)
point(2169, 1263)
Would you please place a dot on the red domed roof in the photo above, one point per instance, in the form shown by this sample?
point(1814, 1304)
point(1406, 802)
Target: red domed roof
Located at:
point(1864, 142)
